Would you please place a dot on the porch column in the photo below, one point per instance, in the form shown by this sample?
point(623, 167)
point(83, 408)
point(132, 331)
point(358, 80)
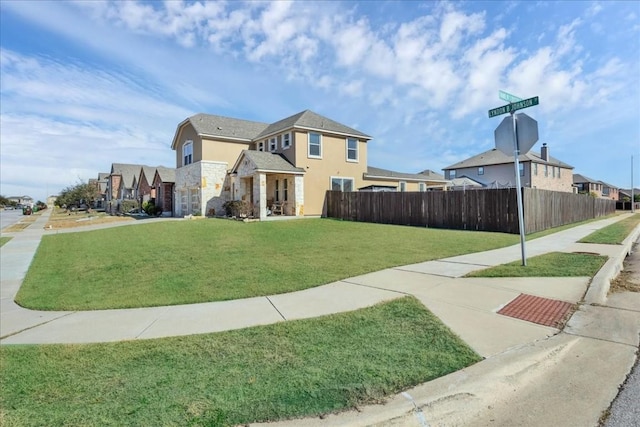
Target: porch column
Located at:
point(260, 194)
point(298, 187)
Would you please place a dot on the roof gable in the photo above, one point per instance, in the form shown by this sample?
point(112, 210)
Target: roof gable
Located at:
point(307, 119)
point(264, 161)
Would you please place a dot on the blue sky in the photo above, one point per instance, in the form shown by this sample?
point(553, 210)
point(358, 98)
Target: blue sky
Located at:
point(88, 83)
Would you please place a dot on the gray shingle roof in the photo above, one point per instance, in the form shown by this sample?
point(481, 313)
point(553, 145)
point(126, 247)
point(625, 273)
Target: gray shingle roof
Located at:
point(269, 161)
point(577, 179)
point(384, 173)
point(207, 124)
point(166, 174)
point(128, 172)
point(149, 173)
point(431, 174)
point(309, 119)
point(497, 157)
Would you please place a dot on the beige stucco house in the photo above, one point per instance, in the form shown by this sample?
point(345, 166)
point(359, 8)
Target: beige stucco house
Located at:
point(494, 169)
point(284, 167)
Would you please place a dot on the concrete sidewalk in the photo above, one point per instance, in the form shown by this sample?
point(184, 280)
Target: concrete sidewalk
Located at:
point(527, 362)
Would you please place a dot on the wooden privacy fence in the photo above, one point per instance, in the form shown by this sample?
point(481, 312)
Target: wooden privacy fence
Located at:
point(481, 210)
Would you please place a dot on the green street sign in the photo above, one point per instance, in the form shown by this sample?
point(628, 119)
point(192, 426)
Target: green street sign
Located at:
point(514, 106)
point(506, 96)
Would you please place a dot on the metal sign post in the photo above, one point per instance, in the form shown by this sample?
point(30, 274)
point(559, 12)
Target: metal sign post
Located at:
point(507, 134)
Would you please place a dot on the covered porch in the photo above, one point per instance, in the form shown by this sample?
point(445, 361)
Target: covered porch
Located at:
point(268, 185)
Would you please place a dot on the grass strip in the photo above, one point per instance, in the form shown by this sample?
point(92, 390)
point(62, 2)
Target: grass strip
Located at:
point(554, 264)
point(286, 370)
point(184, 262)
point(4, 240)
point(613, 234)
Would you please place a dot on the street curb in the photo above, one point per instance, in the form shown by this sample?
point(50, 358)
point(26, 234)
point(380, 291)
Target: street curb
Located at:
point(599, 288)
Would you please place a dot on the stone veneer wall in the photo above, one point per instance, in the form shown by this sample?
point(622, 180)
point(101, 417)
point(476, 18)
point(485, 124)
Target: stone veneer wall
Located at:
point(209, 178)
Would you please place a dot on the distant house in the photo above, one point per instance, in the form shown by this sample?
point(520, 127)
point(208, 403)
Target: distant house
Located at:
point(121, 183)
point(586, 185)
point(494, 169)
point(164, 181)
point(22, 200)
point(101, 184)
point(285, 167)
point(399, 181)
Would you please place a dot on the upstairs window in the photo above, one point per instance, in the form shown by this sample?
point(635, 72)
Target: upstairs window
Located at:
point(187, 153)
point(315, 145)
point(521, 166)
point(535, 169)
point(452, 174)
point(273, 144)
point(286, 141)
point(261, 146)
point(481, 170)
point(352, 150)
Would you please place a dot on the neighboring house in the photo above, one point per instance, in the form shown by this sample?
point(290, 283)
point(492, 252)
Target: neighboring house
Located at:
point(289, 164)
point(100, 184)
point(586, 185)
point(120, 183)
point(164, 180)
point(624, 194)
point(494, 169)
point(143, 186)
point(22, 200)
point(386, 180)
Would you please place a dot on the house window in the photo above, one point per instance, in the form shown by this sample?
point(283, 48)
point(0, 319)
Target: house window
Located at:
point(183, 201)
point(195, 201)
point(352, 150)
point(521, 166)
point(553, 171)
point(273, 144)
point(403, 186)
point(261, 146)
point(422, 186)
point(546, 170)
point(535, 169)
point(558, 171)
point(277, 193)
point(285, 189)
point(452, 174)
point(341, 184)
point(315, 145)
point(481, 170)
point(286, 140)
point(187, 153)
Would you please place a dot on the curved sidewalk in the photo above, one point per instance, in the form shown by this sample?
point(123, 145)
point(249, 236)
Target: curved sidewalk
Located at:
point(468, 306)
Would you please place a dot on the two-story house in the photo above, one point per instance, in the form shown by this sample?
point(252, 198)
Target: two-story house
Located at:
point(494, 169)
point(289, 164)
point(586, 185)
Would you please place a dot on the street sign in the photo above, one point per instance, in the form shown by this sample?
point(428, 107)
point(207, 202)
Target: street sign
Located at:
point(506, 96)
point(526, 131)
point(514, 106)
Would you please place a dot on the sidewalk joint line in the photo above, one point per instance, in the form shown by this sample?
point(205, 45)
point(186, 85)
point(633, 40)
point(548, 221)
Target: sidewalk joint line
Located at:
point(36, 326)
point(276, 308)
point(599, 339)
point(376, 287)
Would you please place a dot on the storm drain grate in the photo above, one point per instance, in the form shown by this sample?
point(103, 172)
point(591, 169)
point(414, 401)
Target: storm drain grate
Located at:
point(543, 311)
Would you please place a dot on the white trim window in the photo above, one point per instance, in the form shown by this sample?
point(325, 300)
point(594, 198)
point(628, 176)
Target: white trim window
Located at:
point(480, 170)
point(187, 153)
point(286, 140)
point(261, 146)
point(521, 167)
point(352, 149)
point(452, 174)
point(341, 184)
point(402, 187)
point(314, 146)
point(422, 187)
point(273, 144)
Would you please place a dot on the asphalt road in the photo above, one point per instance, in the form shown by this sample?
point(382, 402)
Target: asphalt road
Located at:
point(9, 217)
point(625, 410)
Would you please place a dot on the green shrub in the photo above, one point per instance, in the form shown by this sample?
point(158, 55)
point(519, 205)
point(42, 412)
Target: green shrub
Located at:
point(237, 208)
point(127, 205)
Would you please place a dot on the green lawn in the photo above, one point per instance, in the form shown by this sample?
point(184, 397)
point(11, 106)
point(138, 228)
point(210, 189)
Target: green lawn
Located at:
point(613, 234)
point(286, 370)
point(4, 240)
point(554, 264)
point(185, 262)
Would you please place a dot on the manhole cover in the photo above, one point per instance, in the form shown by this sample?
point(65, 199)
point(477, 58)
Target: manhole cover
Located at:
point(543, 311)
